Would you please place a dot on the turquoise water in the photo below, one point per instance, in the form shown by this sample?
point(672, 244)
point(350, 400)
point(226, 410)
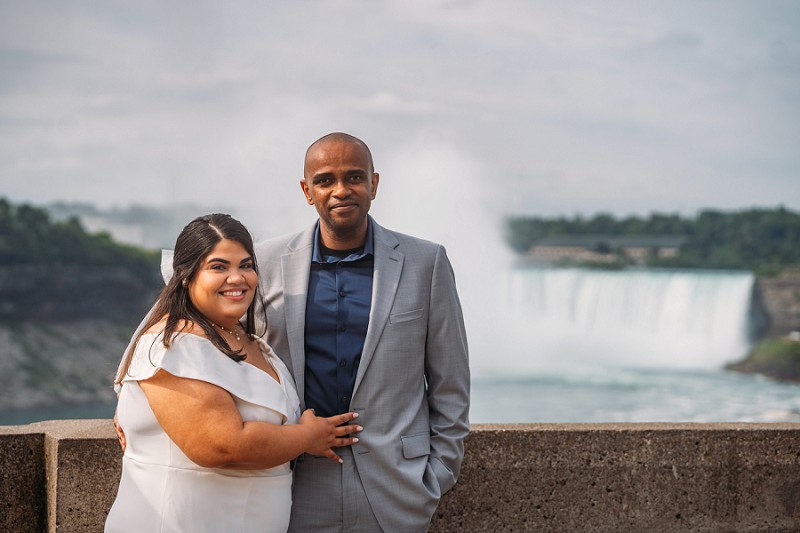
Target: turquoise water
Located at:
point(64, 412)
point(635, 395)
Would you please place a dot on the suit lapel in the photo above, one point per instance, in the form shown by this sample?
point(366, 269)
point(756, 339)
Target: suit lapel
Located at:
point(295, 268)
point(386, 278)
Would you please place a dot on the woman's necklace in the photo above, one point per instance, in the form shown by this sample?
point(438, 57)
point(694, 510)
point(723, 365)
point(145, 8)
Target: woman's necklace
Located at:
point(230, 331)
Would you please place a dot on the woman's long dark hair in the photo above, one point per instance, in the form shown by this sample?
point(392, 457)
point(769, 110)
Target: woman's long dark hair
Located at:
point(193, 245)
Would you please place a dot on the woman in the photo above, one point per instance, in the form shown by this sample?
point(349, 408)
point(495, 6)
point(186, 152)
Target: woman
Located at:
point(210, 414)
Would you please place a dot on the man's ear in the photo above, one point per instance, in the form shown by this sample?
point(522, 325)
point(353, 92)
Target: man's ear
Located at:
point(304, 186)
point(375, 179)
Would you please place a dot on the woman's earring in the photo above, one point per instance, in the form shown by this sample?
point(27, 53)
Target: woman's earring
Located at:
point(185, 282)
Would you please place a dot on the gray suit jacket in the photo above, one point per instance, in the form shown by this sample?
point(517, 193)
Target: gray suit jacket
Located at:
point(412, 385)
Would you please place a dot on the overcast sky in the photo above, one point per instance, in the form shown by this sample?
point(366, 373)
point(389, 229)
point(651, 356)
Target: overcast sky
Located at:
point(472, 109)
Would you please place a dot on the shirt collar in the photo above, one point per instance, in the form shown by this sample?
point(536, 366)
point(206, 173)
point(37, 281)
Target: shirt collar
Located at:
point(369, 248)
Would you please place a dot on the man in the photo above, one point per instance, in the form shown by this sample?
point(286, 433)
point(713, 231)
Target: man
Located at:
point(368, 320)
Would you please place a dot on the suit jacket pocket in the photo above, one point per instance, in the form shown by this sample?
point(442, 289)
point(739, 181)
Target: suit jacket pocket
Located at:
point(405, 316)
point(417, 445)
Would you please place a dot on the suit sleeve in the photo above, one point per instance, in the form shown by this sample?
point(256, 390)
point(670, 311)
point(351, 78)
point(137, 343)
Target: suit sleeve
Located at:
point(447, 374)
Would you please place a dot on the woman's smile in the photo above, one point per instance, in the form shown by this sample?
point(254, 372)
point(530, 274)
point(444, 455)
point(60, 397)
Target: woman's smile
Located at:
point(224, 285)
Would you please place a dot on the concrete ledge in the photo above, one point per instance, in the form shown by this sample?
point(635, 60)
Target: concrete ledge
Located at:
point(66, 480)
point(63, 475)
point(627, 477)
point(23, 500)
point(83, 461)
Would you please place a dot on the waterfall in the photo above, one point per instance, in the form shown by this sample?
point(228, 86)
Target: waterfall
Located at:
point(580, 320)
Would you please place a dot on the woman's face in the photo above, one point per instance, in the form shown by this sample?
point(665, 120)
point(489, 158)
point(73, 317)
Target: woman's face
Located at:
point(225, 284)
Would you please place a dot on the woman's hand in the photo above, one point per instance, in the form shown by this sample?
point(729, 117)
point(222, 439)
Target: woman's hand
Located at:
point(328, 433)
point(120, 434)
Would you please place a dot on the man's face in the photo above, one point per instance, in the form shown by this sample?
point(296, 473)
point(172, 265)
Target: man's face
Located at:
point(340, 184)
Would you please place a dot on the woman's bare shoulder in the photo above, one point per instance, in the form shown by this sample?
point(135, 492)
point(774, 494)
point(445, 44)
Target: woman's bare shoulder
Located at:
point(183, 326)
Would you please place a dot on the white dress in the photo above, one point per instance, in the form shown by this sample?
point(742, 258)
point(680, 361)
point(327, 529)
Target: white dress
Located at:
point(161, 489)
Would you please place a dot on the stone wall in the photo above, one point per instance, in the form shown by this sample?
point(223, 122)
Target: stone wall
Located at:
point(61, 476)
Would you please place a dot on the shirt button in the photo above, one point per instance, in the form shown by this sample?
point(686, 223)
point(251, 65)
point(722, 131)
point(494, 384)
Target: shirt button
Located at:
point(341, 293)
point(343, 363)
point(344, 399)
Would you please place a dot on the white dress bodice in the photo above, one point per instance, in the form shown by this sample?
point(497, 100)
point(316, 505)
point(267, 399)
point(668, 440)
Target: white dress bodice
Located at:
point(163, 490)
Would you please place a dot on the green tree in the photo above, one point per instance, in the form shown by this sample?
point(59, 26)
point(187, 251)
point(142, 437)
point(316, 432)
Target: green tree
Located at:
point(765, 240)
point(29, 237)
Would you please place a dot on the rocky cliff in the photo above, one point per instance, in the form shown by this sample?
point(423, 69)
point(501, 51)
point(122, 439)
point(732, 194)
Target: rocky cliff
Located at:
point(63, 330)
point(779, 298)
point(776, 323)
point(55, 363)
point(57, 293)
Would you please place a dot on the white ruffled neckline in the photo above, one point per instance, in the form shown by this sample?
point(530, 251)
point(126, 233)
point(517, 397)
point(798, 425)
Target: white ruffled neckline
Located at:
point(194, 357)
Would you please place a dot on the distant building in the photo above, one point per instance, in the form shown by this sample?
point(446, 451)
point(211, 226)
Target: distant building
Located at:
point(631, 249)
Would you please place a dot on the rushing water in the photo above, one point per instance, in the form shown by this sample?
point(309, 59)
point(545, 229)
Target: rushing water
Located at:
point(573, 345)
point(626, 346)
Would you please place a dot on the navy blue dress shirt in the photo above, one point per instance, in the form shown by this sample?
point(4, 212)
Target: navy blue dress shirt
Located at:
point(337, 316)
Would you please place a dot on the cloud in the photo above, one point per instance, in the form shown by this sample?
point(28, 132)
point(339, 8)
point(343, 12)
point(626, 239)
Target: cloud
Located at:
point(578, 106)
point(390, 103)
